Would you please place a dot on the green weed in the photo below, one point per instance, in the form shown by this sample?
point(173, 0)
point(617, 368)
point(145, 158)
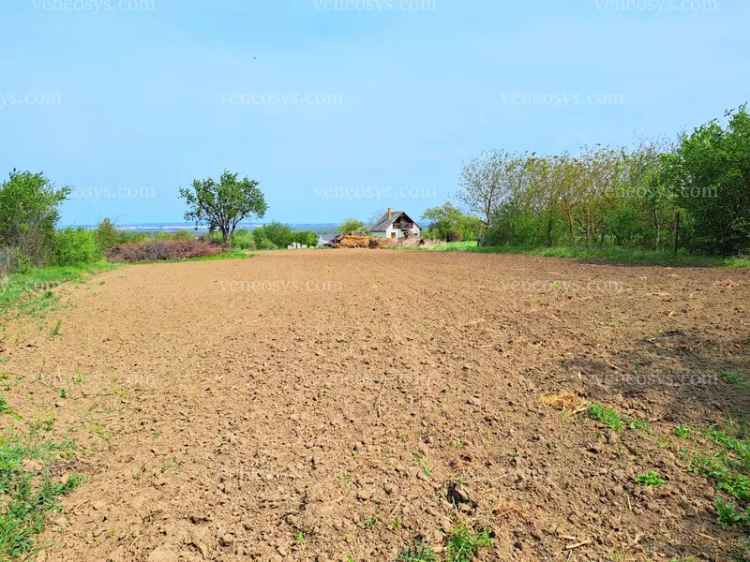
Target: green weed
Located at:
point(729, 515)
point(682, 431)
point(614, 420)
point(650, 479)
point(27, 491)
point(464, 545)
point(418, 552)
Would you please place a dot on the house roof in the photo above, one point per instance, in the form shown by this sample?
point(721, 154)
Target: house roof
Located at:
point(384, 222)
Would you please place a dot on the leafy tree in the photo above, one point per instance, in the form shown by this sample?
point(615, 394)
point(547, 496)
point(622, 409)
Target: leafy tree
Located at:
point(107, 235)
point(306, 238)
point(710, 174)
point(223, 205)
point(447, 222)
point(352, 225)
point(277, 234)
point(28, 214)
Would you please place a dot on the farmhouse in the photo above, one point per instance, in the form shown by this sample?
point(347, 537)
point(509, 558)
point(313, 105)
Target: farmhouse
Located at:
point(396, 225)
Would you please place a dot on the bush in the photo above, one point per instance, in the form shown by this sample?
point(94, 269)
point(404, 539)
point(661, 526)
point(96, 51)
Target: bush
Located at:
point(243, 240)
point(280, 235)
point(73, 246)
point(156, 250)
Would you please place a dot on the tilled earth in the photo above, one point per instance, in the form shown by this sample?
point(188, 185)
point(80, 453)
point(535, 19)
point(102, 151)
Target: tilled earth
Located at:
point(325, 405)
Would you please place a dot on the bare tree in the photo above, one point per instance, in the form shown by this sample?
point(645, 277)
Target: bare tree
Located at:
point(486, 183)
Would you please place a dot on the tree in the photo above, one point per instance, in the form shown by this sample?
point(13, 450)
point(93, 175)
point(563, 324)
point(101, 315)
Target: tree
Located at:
point(306, 238)
point(447, 222)
point(486, 183)
point(710, 173)
point(278, 234)
point(223, 205)
point(106, 235)
point(29, 213)
point(352, 225)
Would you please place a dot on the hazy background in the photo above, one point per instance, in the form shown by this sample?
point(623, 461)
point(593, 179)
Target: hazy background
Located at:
point(343, 107)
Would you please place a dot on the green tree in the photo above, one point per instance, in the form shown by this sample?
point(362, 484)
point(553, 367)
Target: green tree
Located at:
point(28, 214)
point(278, 234)
point(306, 238)
point(106, 235)
point(352, 225)
point(710, 173)
point(223, 205)
point(447, 222)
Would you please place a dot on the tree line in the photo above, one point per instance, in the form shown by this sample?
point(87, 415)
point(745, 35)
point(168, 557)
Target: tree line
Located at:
point(693, 194)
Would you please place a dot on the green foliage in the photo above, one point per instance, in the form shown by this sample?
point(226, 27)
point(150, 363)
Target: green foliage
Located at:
point(464, 545)
point(650, 479)
point(74, 246)
point(614, 420)
point(418, 552)
point(32, 290)
point(273, 235)
point(450, 224)
point(306, 238)
point(107, 235)
point(710, 172)
point(682, 431)
point(224, 204)
point(607, 416)
point(729, 515)
point(28, 492)
point(28, 215)
point(243, 240)
point(732, 377)
point(352, 225)
point(615, 198)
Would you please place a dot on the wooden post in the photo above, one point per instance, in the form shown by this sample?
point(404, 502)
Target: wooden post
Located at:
point(676, 230)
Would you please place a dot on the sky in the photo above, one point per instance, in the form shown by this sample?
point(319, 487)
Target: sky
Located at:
point(342, 108)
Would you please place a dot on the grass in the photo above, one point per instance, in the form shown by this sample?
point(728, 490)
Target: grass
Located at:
point(31, 291)
point(626, 256)
point(27, 490)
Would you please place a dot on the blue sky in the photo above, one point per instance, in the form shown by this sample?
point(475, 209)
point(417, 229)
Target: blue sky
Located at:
point(343, 107)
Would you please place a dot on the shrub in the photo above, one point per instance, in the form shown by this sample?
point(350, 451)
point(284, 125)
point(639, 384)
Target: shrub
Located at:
point(243, 240)
point(156, 250)
point(73, 246)
point(279, 234)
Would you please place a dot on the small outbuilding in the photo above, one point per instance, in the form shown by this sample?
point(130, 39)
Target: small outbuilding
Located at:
point(396, 225)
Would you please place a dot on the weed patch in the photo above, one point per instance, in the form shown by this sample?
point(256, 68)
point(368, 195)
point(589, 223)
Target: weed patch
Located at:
point(613, 419)
point(418, 552)
point(464, 545)
point(27, 490)
point(651, 479)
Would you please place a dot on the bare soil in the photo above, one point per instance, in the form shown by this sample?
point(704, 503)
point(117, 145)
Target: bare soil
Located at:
point(321, 405)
